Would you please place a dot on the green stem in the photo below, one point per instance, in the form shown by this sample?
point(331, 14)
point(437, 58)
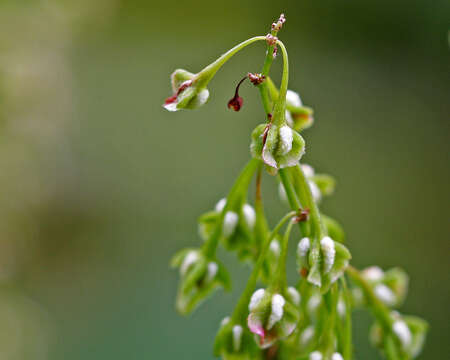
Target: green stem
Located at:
point(279, 280)
point(347, 347)
point(241, 309)
point(301, 185)
point(204, 76)
point(241, 185)
point(292, 198)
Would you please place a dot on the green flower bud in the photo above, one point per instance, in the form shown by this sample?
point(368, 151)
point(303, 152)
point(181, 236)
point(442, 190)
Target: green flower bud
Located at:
point(390, 287)
point(328, 263)
point(277, 145)
point(200, 276)
point(235, 342)
point(272, 316)
point(188, 92)
point(410, 332)
point(237, 228)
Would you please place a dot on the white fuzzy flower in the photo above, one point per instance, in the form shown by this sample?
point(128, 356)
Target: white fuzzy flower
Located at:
point(303, 247)
point(336, 356)
point(220, 205)
point(286, 138)
point(293, 98)
point(275, 247)
point(294, 295)
point(256, 298)
point(237, 337)
point(308, 170)
point(385, 294)
point(329, 252)
point(307, 335)
point(402, 331)
point(249, 215)
point(373, 273)
point(315, 191)
point(316, 355)
point(229, 223)
point(277, 310)
point(190, 258)
point(212, 270)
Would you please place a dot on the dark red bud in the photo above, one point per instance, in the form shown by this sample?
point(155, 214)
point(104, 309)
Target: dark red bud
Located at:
point(302, 215)
point(235, 103)
point(256, 79)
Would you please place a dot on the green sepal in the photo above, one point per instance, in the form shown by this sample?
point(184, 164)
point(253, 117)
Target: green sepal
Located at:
point(397, 280)
point(326, 183)
point(334, 229)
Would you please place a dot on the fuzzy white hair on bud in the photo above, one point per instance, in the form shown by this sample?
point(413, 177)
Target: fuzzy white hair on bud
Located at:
point(373, 273)
point(314, 302)
point(221, 204)
point(275, 248)
point(212, 270)
point(308, 170)
point(225, 321)
point(286, 139)
point(294, 295)
point(316, 355)
point(307, 335)
point(315, 191)
point(341, 308)
point(278, 302)
point(229, 223)
point(337, 356)
point(329, 252)
point(190, 258)
point(289, 119)
point(293, 98)
point(282, 193)
point(237, 337)
point(303, 247)
point(403, 333)
point(249, 215)
point(386, 295)
point(256, 299)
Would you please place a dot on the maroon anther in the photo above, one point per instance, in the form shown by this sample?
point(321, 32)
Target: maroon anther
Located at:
point(255, 78)
point(182, 87)
point(302, 215)
point(236, 102)
point(266, 131)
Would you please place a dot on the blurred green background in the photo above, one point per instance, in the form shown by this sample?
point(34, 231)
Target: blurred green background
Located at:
point(100, 185)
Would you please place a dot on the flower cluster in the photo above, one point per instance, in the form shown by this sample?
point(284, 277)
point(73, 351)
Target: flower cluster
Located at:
point(309, 319)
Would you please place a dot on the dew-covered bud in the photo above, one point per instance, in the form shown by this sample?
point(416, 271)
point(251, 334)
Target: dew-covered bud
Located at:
point(229, 223)
point(294, 295)
point(277, 146)
point(386, 295)
point(249, 215)
point(401, 330)
point(187, 93)
point(299, 117)
point(329, 253)
point(373, 273)
point(272, 317)
point(302, 253)
point(306, 336)
point(200, 276)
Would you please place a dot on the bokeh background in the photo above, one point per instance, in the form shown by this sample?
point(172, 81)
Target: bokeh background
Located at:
point(99, 185)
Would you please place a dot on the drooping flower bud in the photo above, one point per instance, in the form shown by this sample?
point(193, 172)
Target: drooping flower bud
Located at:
point(272, 316)
point(187, 93)
point(200, 276)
